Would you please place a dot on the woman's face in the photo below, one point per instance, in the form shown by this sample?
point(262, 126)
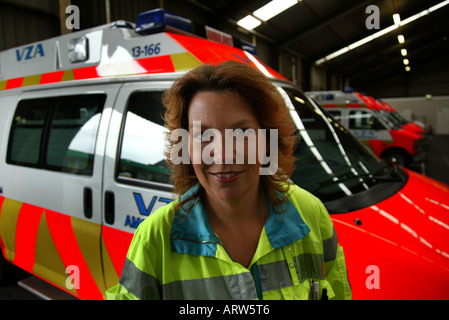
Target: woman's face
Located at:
point(223, 178)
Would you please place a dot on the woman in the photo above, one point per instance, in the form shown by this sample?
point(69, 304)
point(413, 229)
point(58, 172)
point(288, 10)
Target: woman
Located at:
point(233, 233)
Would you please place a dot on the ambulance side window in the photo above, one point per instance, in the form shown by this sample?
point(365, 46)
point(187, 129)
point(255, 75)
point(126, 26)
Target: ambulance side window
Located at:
point(27, 131)
point(73, 133)
point(364, 120)
point(57, 134)
point(142, 145)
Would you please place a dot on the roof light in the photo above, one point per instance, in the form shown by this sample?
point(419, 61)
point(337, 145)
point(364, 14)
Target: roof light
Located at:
point(273, 8)
point(397, 18)
point(249, 22)
point(404, 52)
point(78, 49)
point(407, 68)
point(406, 61)
point(401, 38)
point(249, 47)
point(159, 19)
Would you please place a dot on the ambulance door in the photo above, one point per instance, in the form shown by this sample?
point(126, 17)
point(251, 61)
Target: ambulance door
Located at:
point(136, 178)
point(367, 126)
point(52, 185)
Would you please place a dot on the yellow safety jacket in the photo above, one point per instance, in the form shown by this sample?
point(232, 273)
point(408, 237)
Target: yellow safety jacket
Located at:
point(178, 257)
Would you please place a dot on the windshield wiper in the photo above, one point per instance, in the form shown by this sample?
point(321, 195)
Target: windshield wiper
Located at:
point(393, 174)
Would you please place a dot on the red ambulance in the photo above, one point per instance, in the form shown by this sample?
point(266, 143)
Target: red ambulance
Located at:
point(378, 129)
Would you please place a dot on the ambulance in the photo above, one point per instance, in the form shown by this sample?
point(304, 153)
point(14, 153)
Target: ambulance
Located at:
point(400, 120)
point(82, 164)
point(375, 126)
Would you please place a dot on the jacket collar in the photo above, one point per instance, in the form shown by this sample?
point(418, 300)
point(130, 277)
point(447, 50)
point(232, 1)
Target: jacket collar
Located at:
point(194, 235)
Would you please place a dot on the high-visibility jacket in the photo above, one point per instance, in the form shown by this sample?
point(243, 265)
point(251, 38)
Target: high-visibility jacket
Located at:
point(177, 257)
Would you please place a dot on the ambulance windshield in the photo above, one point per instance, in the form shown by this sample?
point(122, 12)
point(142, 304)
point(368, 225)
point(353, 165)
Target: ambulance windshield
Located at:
point(331, 163)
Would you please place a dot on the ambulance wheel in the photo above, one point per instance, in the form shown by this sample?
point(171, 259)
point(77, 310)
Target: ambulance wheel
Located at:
point(397, 157)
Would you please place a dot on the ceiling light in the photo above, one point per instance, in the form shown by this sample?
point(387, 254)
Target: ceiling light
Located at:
point(438, 6)
point(382, 32)
point(407, 68)
point(360, 42)
point(404, 52)
point(249, 22)
point(273, 8)
point(406, 62)
point(397, 18)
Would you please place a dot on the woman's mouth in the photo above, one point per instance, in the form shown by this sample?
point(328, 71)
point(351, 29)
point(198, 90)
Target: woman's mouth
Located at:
point(226, 177)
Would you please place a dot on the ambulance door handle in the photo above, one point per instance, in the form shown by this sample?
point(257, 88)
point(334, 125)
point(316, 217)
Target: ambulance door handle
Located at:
point(87, 199)
point(109, 207)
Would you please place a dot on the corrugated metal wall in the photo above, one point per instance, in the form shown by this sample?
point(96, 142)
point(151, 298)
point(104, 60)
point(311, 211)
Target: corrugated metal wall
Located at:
point(23, 22)
point(93, 12)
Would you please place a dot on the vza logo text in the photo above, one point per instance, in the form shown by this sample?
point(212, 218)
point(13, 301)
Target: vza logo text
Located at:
point(132, 221)
point(30, 52)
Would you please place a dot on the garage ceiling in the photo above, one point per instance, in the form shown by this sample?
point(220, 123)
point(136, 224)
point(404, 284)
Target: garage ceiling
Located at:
point(309, 30)
point(313, 29)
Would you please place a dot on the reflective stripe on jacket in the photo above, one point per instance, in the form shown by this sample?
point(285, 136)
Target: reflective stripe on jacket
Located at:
point(177, 257)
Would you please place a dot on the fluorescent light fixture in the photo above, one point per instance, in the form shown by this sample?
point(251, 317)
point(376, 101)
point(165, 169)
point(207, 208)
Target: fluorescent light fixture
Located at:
point(249, 22)
point(397, 23)
point(406, 62)
point(438, 6)
point(404, 52)
point(360, 42)
point(382, 32)
point(407, 68)
point(273, 8)
point(397, 18)
point(337, 53)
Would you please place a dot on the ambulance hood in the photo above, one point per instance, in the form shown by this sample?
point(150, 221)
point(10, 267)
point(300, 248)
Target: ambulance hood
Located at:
point(404, 238)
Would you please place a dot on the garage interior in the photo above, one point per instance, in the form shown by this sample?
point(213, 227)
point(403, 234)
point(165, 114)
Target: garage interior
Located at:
point(394, 50)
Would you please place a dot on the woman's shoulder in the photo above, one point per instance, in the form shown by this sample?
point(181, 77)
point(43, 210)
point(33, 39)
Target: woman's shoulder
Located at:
point(298, 194)
point(307, 204)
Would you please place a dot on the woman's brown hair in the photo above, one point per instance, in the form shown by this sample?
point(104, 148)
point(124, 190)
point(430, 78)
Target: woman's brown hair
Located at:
point(263, 98)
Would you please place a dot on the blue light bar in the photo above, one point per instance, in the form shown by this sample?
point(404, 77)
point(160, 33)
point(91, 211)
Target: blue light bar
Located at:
point(159, 19)
point(248, 46)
